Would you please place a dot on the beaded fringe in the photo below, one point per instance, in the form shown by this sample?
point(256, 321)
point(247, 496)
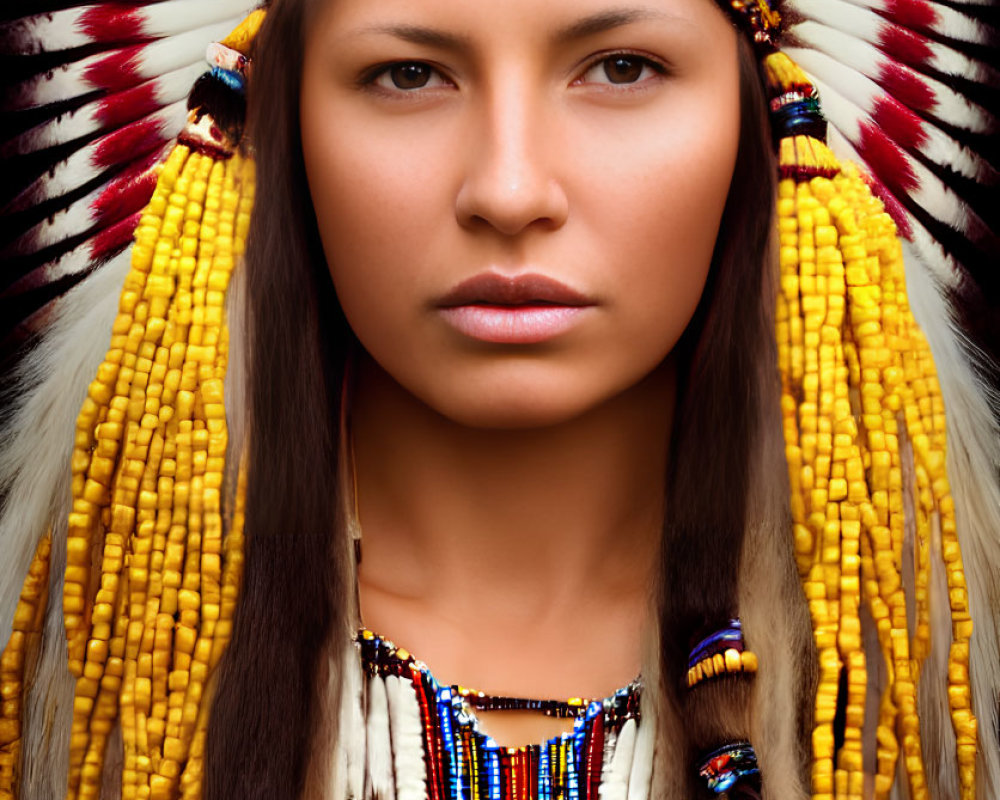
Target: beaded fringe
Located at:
point(863, 421)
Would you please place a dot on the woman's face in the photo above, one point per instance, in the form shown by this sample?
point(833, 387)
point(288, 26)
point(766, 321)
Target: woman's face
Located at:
point(519, 200)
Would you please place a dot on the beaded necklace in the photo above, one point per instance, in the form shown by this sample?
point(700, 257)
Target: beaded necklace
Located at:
point(463, 763)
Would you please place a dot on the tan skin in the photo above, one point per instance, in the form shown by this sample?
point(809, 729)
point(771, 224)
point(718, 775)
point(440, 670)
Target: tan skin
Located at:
point(510, 492)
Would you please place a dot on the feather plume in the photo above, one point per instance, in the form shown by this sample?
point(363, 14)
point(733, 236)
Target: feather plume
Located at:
point(380, 784)
point(933, 17)
point(407, 739)
point(641, 768)
point(349, 776)
point(106, 113)
point(36, 438)
point(921, 93)
point(88, 163)
point(892, 37)
point(614, 782)
point(100, 23)
point(117, 69)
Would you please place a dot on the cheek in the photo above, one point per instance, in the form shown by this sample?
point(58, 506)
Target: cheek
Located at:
point(661, 200)
point(367, 213)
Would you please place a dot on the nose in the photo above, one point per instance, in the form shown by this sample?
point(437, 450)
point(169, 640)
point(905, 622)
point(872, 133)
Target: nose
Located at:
point(510, 182)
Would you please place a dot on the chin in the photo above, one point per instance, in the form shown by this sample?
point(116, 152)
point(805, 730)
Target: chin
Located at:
point(514, 405)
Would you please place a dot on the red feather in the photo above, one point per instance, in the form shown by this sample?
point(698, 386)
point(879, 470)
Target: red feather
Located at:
point(114, 238)
point(112, 22)
point(122, 107)
point(907, 87)
point(917, 14)
point(899, 123)
point(127, 142)
point(886, 159)
point(117, 70)
point(907, 46)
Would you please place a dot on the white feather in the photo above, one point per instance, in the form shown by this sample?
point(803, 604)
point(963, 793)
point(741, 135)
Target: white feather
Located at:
point(85, 164)
point(936, 731)
point(61, 30)
point(407, 739)
point(75, 262)
point(36, 443)
point(77, 218)
point(381, 782)
point(614, 781)
point(89, 118)
point(152, 60)
point(946, 21)
point(973, 464)
point(838, 83)
point(36, 440)
point(871, 62)
point(349, 776)
point(641, 772)
point(865, 24)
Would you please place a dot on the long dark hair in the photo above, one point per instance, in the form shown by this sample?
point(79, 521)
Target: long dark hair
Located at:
point(293, 611)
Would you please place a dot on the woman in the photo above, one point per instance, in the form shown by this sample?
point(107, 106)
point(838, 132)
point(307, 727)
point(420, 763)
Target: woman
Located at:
point(530, 444)
point(507, 329)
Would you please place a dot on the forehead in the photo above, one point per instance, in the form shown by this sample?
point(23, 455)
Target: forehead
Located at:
point(469, 23)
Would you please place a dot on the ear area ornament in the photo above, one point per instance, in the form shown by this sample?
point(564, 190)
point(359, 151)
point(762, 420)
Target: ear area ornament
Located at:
point(862, 408)
point(864, 428)
point(152, 572)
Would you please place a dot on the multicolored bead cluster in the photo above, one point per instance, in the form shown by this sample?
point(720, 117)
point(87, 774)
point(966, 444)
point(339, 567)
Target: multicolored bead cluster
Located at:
point(720, 653)
point(725, 767)
point(465, 764)
point(759, 18)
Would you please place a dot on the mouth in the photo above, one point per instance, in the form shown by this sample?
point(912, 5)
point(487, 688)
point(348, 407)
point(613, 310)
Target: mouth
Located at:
point(520, 309)
point(492, 289)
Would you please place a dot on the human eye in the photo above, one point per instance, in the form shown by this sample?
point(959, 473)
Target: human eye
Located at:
point(405, 76)
point(621, 69)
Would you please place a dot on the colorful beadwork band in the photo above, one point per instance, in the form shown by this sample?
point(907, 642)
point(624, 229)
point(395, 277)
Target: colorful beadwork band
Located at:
point(726, 766)
point(719, 653)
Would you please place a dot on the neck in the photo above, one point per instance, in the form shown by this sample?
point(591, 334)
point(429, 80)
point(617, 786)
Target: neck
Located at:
point(516, 536)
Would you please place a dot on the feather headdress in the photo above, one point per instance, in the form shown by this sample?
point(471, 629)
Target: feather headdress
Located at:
point(115, 513)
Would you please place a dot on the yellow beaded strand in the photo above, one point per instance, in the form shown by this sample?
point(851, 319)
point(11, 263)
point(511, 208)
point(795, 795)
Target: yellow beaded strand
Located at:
point(866, 387)
point(156, 427)
point(20, 649)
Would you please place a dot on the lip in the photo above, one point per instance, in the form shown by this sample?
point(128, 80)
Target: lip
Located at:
point(519, 309)
point(491, 288)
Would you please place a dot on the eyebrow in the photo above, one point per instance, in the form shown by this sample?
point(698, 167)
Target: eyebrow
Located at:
point(605, 21)
point(587, 26)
